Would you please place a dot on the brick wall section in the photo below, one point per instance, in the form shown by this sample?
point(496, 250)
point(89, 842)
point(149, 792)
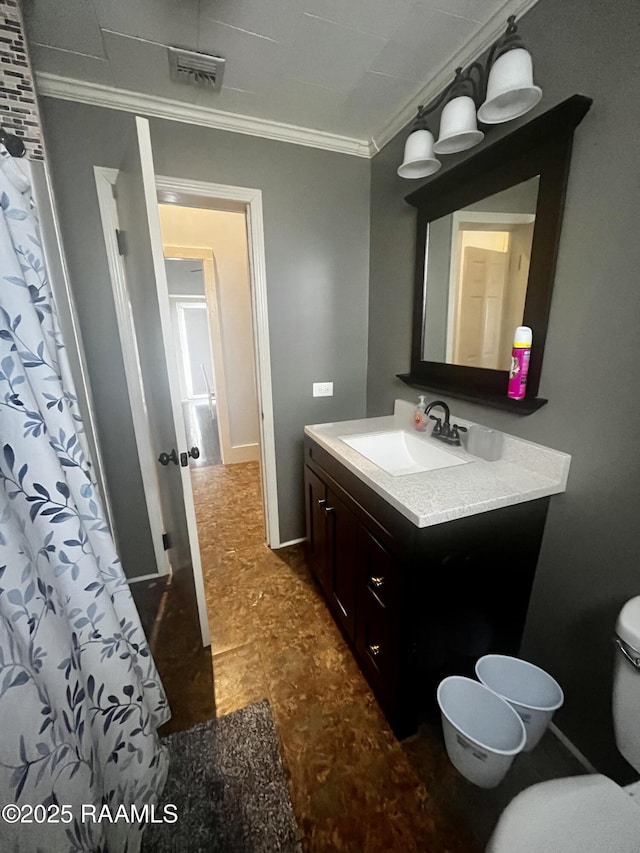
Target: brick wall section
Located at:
point(18, 105)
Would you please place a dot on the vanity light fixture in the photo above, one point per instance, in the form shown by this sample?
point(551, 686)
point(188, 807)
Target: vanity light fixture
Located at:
point(500, 90)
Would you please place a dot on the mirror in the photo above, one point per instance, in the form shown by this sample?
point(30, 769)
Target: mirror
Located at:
point(487, 239)
point(477, 263)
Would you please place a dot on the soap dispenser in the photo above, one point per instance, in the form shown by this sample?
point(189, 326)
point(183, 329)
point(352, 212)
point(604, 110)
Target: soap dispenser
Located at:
point(419, 417)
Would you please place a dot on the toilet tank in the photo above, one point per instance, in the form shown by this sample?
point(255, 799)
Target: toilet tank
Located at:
point(626, 683)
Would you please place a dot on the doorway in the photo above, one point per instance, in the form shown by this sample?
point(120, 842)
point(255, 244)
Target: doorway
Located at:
point(194, 354)
point(215, 242)
point(206, 256)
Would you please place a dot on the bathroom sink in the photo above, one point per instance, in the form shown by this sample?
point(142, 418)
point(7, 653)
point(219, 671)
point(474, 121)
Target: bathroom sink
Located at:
point(401, 452)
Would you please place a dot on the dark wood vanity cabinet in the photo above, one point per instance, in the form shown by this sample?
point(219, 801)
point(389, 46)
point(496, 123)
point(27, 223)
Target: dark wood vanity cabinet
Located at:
point(416, 604)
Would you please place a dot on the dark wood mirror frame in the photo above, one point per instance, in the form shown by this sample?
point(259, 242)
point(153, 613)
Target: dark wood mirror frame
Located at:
point(540, 147)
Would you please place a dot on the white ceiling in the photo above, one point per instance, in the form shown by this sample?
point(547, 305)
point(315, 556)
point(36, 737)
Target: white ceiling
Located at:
point(342, 67)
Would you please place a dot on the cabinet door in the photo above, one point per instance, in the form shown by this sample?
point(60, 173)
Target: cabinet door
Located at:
point(342, 551)
point(316, 500)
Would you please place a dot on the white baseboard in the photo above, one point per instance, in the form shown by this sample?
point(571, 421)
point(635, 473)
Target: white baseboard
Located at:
point(573, 749)
point(150, 577)
point(290, 542)
point(241, 453)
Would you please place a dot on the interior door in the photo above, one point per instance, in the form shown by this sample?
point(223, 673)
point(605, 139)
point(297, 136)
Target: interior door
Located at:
point(136, 200)
point(481, 298)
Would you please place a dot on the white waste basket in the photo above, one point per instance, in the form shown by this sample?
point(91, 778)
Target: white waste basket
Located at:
point(533, 693)
point(482, 732)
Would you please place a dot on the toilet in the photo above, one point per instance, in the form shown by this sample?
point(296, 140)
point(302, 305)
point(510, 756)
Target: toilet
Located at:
point(587, 814)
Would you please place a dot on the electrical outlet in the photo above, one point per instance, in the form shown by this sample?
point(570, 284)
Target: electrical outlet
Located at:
point(323, 389)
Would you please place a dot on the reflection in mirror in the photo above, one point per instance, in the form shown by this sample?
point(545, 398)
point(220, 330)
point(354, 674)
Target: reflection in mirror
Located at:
point(476, 273)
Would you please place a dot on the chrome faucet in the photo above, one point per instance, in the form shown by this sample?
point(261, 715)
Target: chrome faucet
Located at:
point(446, 432)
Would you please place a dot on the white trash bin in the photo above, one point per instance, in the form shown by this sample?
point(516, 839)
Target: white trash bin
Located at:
point(482, 732)
point(533, 693)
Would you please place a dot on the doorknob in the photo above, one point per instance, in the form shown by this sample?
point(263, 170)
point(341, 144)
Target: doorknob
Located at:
point(165, 458)
point(194, 453)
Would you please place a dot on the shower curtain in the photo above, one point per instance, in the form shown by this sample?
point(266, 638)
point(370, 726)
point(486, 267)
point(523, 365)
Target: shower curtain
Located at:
point(80, 697)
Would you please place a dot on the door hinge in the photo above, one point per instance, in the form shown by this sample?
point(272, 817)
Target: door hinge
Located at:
point(166, 541)
point(121, 239)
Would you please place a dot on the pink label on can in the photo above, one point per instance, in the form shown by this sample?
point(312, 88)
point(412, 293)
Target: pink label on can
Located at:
point(518, 373)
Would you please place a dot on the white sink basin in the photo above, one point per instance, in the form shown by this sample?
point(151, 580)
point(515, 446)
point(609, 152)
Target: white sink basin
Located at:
point(401, 452)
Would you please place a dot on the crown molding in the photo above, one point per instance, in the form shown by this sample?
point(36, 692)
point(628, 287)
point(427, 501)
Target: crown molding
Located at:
point(67, 89)
point(471, 50)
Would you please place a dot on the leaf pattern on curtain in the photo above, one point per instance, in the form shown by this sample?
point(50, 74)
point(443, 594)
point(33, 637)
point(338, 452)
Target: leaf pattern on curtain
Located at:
point(80, 697)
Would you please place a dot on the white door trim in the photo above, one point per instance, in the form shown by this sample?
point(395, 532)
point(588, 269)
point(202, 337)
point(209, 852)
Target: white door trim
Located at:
point(105, 180)
point(183, 191)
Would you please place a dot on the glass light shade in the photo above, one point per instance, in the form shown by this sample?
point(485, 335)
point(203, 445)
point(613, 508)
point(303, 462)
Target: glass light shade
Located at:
point(510, 89)
point(419, 159)
point(458, 127)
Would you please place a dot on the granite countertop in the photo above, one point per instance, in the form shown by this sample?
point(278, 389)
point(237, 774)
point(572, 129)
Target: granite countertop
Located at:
point(524, 472)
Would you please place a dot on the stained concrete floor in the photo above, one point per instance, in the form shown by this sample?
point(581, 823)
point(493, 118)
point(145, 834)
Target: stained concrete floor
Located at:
point(353, 786)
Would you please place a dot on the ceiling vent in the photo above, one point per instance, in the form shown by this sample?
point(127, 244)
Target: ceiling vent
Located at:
point(198, 69)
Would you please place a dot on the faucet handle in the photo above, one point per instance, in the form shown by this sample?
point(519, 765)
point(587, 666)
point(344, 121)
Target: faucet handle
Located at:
point(456, 429)
point(437, 429)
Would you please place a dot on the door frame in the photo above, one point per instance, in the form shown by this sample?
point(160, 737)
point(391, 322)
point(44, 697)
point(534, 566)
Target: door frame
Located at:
point(184, 192)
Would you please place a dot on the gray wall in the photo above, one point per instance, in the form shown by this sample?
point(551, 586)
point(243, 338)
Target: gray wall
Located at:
point(522, 198)
point(181, 278)
point(590, 560)
point(316, 218)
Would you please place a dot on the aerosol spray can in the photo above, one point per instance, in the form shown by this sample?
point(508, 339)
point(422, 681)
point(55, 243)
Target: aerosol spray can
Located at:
point(520, 355)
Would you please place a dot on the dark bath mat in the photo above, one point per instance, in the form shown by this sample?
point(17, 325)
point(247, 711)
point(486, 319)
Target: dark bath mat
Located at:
point(227, 780)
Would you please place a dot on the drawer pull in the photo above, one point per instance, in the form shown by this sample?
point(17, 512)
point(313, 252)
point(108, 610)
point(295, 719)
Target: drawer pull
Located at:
point(377, 582)
point(321, 501)
point(374, 649)
point(329, 509)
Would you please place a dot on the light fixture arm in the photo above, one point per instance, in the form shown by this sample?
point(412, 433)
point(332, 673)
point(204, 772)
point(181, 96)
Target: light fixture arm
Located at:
point(509, 40)
point(458, 83)
point(478, 84)
point(492, 91)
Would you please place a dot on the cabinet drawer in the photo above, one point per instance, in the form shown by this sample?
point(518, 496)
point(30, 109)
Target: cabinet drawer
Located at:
point(376, 644)
point(378, 570)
